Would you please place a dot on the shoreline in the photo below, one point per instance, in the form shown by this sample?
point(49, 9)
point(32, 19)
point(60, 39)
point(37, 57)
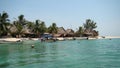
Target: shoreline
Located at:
point(108, 37)
point(59, 38)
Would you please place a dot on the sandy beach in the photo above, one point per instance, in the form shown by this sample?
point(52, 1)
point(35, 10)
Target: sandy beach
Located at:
point(108, 37)
point(112, 36)
point(60, 38)
point(10, 39)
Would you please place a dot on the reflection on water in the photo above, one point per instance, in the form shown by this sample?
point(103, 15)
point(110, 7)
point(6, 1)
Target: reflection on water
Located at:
point(61, 54)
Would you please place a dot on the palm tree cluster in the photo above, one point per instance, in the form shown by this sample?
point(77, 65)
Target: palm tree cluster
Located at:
point(24, 28)
point(4, 22)
point(88, 29)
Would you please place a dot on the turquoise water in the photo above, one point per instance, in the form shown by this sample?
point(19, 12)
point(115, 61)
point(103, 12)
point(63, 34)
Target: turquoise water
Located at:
point(102, 53)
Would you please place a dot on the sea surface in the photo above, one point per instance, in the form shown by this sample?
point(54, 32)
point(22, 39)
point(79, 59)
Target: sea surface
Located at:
point(101, 53)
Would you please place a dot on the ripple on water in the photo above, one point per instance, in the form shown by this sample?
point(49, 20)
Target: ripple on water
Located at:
point(61, 54)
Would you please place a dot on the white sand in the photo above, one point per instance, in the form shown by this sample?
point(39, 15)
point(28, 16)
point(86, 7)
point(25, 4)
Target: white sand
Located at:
point(10, 39)
point(60, 38)
point(112, 36)
point(108, 37)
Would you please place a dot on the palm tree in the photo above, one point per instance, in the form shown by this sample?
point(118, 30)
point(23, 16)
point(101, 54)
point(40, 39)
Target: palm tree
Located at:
point(18, 29)
point(30, 25)
point(93, 25)
point(37, 28)
point(89, 25)
point(49, 29)
point(53, 28)
point(80, 31)
point(4, 23)
point(21, 20)
point(19, 25)
point(42, 28)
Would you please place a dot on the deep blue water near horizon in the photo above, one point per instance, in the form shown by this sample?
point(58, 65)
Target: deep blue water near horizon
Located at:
point(102, 53)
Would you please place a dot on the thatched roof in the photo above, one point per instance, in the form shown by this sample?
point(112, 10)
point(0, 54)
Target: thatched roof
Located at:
point(13, 29)
point(70, 31)
point(61, 30)
point(27, 31)
point(95, 33)
point(57, 35)
point(91, 33)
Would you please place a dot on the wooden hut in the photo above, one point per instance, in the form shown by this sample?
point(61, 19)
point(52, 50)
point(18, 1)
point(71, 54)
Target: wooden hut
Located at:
point(61, 32)
point(92, 33)
point(28, 33)
point(70, 33)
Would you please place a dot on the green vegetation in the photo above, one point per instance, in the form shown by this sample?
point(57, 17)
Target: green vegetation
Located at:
point(4, 23)
point(89, 27)
point(80, 32)
point(53, 28)
point(24, 28)
point(39, 28)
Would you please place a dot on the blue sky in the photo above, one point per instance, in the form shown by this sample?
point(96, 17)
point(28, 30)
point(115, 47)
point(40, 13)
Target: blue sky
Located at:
point(68, 13)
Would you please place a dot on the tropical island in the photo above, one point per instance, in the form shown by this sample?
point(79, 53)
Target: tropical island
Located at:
point(59, 34)
point(22, 28)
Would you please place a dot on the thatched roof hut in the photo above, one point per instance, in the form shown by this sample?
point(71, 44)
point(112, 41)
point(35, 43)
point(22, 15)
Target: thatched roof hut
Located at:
point(28, 32)
point(70, 33)
point(13, 29)
point(87, 34)
point(57, 35)
point(95, 33)
point(61, 32)
point(92, 33)
point(64, 33)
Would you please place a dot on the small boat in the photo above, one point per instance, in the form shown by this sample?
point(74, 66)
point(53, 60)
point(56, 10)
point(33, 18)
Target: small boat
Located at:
point(48, 38)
